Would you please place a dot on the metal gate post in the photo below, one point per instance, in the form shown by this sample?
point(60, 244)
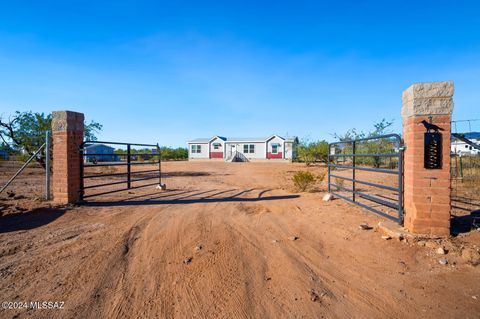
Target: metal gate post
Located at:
point(82, 162)
point(129, 182)
point(400, 181)
point(353, 170)
point(328, 167)
point(47, 165)
point(159, 165)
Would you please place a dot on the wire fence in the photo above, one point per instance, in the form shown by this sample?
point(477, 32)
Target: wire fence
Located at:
point(29, 183)
point(465, 169)
point(25, 175)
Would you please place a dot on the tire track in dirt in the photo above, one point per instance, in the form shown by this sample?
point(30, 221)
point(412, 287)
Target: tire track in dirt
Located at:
point(132, 266)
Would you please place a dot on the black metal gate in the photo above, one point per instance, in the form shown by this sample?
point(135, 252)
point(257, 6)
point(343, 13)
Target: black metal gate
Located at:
point(376, 179)
point(109, 169)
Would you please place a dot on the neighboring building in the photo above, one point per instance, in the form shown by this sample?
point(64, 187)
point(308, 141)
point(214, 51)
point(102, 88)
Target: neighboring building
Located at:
point(99, 153)
point(242, 149)
point(464, 146)
point(4, 155)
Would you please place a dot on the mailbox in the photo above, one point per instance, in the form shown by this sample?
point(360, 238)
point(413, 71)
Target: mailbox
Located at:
point(433, 150)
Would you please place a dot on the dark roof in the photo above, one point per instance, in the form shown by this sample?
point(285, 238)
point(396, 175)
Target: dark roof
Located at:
point(466, 140)
point(87, 146)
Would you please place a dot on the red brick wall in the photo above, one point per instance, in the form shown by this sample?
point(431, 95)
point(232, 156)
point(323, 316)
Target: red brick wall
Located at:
point(426, 191)
point(67, 136)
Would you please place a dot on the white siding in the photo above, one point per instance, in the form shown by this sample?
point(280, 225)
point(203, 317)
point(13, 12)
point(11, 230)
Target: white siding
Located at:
point(259, 149)
point(219, 141)
point(276, 140)
point(291, 149)
point(203, 154)
point(462, 148)
point(288, 150)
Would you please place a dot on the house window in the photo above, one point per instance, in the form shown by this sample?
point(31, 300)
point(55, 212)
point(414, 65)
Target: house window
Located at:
point(216, 146)
point(275, 148)
point(196, 148)
point(249, 148)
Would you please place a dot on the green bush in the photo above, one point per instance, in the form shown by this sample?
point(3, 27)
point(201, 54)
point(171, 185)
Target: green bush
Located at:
point(311, 152)
point(303, 181)
point(321, 176)
point(339, 182)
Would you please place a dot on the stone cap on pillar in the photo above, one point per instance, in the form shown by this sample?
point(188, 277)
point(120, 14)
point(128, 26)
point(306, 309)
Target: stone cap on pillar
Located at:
point(431, 98)
point(67, 121)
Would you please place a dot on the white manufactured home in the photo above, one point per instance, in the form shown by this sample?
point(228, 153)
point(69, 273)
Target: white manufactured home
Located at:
point(243, 149)
point(463, 146)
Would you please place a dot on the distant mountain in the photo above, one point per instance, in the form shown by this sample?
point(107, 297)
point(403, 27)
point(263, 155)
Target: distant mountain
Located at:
point(472, 135)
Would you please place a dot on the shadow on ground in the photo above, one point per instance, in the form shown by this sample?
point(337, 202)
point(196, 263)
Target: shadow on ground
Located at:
point(465, 223)
point(185, 174)
point(190, 197)
point(30, 219)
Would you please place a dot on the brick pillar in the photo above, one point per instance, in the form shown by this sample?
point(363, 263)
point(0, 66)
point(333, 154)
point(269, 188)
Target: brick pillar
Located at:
point(67, 134)
point(426, 191)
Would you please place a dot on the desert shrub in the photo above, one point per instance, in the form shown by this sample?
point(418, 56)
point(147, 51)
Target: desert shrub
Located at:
point(339, 182)
point(303, 180)
point(321, 176)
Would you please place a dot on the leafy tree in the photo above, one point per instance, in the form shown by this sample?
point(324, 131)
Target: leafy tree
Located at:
point(25, 131)
point(311, 152)
point(374, 146)
point(380, 128)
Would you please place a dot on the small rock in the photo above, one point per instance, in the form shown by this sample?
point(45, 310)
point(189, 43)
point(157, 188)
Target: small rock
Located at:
point(430, 244)
point(293, 238)
point(327, 197)
point(364, 227)
point(440, 251)
point(10, 194)
point(421, 243)
point(17, 197)
point(386, 237)
point(474, 297)
point(471, 256)
point(315, 297)
point(187, 260)
point(443, 261)
point(198, 248)
point(274, 241)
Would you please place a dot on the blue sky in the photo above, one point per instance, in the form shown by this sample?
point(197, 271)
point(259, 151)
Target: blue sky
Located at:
point(154, 71)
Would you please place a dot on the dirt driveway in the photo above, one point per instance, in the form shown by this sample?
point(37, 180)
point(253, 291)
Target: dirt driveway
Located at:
point(220, 244)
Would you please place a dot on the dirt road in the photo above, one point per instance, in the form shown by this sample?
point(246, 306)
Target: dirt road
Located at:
point(227, 240)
